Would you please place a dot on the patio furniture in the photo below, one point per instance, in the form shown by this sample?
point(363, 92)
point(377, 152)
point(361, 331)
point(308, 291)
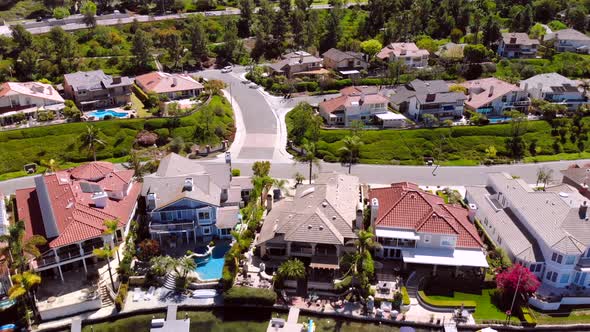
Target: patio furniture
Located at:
point(386, 306)
point(137, 294)
point(150, 293)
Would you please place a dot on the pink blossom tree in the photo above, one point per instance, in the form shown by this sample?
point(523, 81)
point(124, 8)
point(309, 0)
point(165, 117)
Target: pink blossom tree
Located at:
point(507, 281)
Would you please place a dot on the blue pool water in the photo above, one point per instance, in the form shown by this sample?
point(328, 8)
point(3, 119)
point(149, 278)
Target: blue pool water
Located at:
point(212, 267)
point(499, 120)
point(102, 113)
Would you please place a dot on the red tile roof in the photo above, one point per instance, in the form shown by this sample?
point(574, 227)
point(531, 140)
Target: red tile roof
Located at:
point(352, 95)
point(405, 206)
point(77, 218)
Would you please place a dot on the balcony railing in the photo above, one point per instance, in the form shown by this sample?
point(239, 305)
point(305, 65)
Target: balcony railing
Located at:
point(303, 250)
point(172, 227)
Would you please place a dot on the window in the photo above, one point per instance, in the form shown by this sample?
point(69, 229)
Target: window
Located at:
point(577, 278)
point(564, 278)
point(554, 277)
point(203, 215)
point(225, 231)
point(570, 260)
point(427, 238)
point(548, 276)
point(557, 257)
point(447, 241)
point(178, 215)
point(539, 267)
point(206, 230)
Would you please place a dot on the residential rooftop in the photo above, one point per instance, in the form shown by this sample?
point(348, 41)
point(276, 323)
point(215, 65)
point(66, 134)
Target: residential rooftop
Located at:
point(550, 82)
point(518, 38)
point(160, 82)
point(485, 90)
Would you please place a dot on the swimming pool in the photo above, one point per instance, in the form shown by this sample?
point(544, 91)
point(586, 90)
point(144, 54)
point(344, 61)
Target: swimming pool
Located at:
point(211, 267)
point(499, 120)
point(102, 113)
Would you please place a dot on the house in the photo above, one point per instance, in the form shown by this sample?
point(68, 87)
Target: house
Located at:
point(346, 63)
point(517, 45)
point(68, 208)
point(315, 226)
point(428, 97)
point(569, 40)
point(579, 178)
point(298, 63)
point(546, 231)
point(417, 227)
point(493, 97)
point(169, 86)
point(4, 218)
point(408, 53)
point(95, 89)
point(450, 51)
point(556, 89)
point(357, 103)
point(15, 96)
point(188, 201)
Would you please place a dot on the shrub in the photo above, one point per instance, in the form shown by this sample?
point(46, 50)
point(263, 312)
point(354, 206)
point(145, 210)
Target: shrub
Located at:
point(527, 316)
point(246, 295)
point(235, 172)
point(405, 296)
point(148, 248)
point(121, 296)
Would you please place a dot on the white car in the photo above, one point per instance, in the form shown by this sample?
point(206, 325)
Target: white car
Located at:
point(226, 69)
point(253, 86)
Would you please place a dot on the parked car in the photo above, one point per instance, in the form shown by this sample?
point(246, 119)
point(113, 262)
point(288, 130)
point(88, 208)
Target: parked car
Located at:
point(226, 69)
point(245, 82)
point(253, 86)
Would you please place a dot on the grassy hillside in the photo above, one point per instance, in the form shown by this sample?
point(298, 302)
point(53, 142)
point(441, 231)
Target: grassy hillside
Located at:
point(62, 142)
point(460, 145)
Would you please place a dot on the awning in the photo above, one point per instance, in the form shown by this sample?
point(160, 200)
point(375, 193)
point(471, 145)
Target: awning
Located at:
point(390, 116)
point(350, 72)
point(324, 262)
point(585, 269)
point(446, 257)
point(397, 234)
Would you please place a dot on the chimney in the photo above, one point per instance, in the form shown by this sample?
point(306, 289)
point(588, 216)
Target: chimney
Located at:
point(374, 211)
point(403, 51)
point(268, 203)
point(100, 199)
point(584, 210)
point(116, 79)
point(470, 95)
point(491, 91)
point(301, 58)
point(472, 211)
point(151, 201)
point(174, 82)
point(362, 100)
point(526, 87)
point(359, 216)
point(188, 184)
point(512, 40)
point(430, 97)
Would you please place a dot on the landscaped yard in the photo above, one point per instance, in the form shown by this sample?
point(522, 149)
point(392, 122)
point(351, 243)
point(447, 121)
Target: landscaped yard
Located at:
point(142, 112)
point(62, 142)
point(564, 317)
point(462, 145)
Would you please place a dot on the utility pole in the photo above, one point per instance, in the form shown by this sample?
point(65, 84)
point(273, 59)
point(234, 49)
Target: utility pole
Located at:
point(509, 313)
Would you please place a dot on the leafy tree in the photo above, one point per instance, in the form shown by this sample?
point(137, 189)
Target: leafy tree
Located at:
point(429, 120)
point(71, 111)
point(304, 124)
point(261, 168)
point(135, 164)
point(197, 37)
point(332, 26)
point(88, 9)
point(517, 278)
point(371, 47)
point(148, 249)
point(141, 49)
point(60, 12)
point(544, 176)
point(537, 31)
point(282, 21)
point(394, 70)
point(22, 286)
point(91, 139)
point(518, 126)
point(246, 17)
point(491, 31)
point(232, 48)
point(456, 35)
point(557, 25)
point(576, 17)
point(51, 165)
point(309, 157)
point(64, 48)
point(18, 248)
point(523, 19)
point(22, 37)
point(475, 53)
point(545, 10)
point(311, 30)
point(350, 150)
point(27, 63)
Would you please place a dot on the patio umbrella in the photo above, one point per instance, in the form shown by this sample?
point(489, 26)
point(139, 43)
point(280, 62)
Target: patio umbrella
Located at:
point(407, 329)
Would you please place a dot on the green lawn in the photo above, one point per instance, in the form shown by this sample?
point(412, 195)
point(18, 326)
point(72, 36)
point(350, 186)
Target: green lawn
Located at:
point(461, 145)
point(21, 10)
point(142, 112)
point(485, 309)
point(567, 317)
point(62, 142)
point(248, 321)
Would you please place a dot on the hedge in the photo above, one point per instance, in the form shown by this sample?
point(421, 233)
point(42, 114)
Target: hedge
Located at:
point(139, 93)
point(405, 296)
point(527, 316)
point(446, 303)
point(121, 296)
point(247, 295)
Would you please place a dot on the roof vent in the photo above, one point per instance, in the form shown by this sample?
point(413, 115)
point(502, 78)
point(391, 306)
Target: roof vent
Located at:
point(412, 196)
point(188, 184)
point(324, 204)
point(309, 227)
point(321, 228)
point(333, 217)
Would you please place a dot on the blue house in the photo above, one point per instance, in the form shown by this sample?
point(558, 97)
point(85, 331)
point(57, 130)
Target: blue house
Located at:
point(192, 202)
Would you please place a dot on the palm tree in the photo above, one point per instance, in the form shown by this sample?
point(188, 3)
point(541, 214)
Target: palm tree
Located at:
point(111, 229)
point(242, 244)
point(299, 178)
point(51, 165)
point(360, 262)
point(292, 269)
point(309, 157)
point(106, 252)
point(18, 248)
point(181, 267)
point(350, 149)
point(91, 139)
point(136, 165)
point(22, 286)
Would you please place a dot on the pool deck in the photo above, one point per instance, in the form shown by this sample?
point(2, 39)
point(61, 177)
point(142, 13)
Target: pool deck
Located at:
point(166, 297)
point(88, 114)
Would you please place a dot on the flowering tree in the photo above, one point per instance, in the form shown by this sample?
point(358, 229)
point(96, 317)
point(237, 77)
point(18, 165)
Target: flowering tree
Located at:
point(507, 281)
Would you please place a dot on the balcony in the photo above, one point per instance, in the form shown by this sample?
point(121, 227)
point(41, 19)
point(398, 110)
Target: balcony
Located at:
point(172, 227)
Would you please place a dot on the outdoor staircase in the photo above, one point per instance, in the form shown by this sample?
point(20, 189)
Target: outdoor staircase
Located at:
point(170, 282)
point(412, 284)
point(105, 297)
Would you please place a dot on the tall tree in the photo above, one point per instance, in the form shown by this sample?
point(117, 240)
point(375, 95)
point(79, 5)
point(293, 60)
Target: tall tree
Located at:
point(491, 31)
point(22, 37)
point(232, 47)
point(197, 36)
point(23, 284)
point(18, 248)
point(88, 9)
point(246, 17)
point(350, 150)
point(332, 26)
point(107, 253)
point(64, 48)
point(141, 49)
point(311, 29)
point(91, 139)
point(309, 157)
point(27, 63)
point(282, 20)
